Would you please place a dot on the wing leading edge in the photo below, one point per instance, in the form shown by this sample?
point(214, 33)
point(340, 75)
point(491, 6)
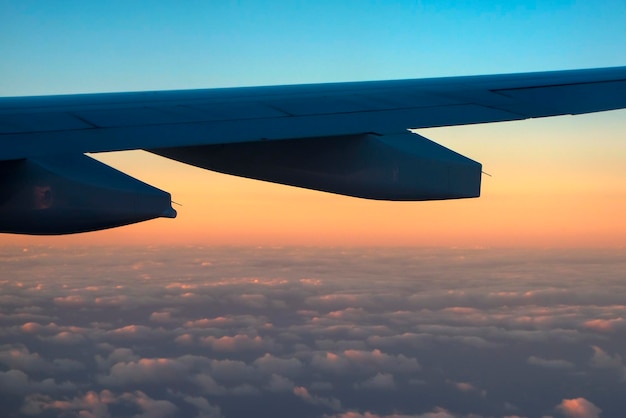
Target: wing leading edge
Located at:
point(347, 138)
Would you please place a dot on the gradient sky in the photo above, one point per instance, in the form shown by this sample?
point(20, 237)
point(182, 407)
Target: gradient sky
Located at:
point(556, 182)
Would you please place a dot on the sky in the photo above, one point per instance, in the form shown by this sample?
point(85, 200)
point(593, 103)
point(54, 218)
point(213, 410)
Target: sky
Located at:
point(555, 182)
point(209, 332)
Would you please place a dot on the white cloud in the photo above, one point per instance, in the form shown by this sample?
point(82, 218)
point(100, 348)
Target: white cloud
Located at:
point(578, 408)
point(161, 317)
point(205, 409)
point(436, 413)
point(270, 364)
point(464, 386)
point(602, 360)
point(151, 408)
point(13, 381)
point(19, 357)
point(145, 371)
point(303, 393)
point(66, 337)
point(73, 301)
point(239, 342)
point(18, 382)
point(382, 381)
point(233, 371)
point(279, 383)
point(606, 325)
point(550, 364)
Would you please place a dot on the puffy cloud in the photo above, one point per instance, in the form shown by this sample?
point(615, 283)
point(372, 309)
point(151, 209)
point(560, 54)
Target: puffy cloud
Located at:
point(28, 316)
point(255, 301)
point(279, 383)
point(499, 335)
point(18, 382)
point(217, 325)
point(312, 331)
point(578, 408)
point(436, 413)
point(97, 405)
point(185, 339)
point(382, 381)
point(239, 342)
point(602, 360)
point(131, 332)
point(340, 301)
point(205, 409)
point(67, 365)
point(208, 385)
point(382, 361)
point(605, 325)
point(112, 301)
point(464, 386)
point(122, 354)
point(550, 364)
point(233, 371)
point(161, 317)
point(209, 322)
point(330, 362)
point(35, 403)
point(348, 314)
point(20, 357)
point(270, 364)
point(329, 344)
point(145, 371)
point(65, 337)
point(72, 301)
point(151, 408)
point(359, 362)
point(303, 393)
point(424, 340)
point(31, 327)
point(117, 355)
point(13, 381)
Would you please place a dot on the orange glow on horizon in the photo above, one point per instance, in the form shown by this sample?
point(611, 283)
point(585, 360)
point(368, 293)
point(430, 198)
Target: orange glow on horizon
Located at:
point(554, 185)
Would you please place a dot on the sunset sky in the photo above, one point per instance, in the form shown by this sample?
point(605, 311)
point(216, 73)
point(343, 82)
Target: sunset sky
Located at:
point(556, 182)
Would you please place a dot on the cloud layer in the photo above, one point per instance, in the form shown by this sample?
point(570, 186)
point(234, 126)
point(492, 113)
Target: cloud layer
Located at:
point(239, 332)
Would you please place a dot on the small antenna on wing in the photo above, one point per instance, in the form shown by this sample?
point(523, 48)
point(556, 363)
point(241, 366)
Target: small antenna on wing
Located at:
point(176, 203)
point(487, 174)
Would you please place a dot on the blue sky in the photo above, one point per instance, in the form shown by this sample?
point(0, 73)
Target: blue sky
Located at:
point(75, 46)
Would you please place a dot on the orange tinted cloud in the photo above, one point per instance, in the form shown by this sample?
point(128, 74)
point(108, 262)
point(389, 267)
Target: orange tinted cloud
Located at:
point(578, 408)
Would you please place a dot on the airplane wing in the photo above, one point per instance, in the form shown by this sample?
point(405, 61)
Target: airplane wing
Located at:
point(347, 138)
